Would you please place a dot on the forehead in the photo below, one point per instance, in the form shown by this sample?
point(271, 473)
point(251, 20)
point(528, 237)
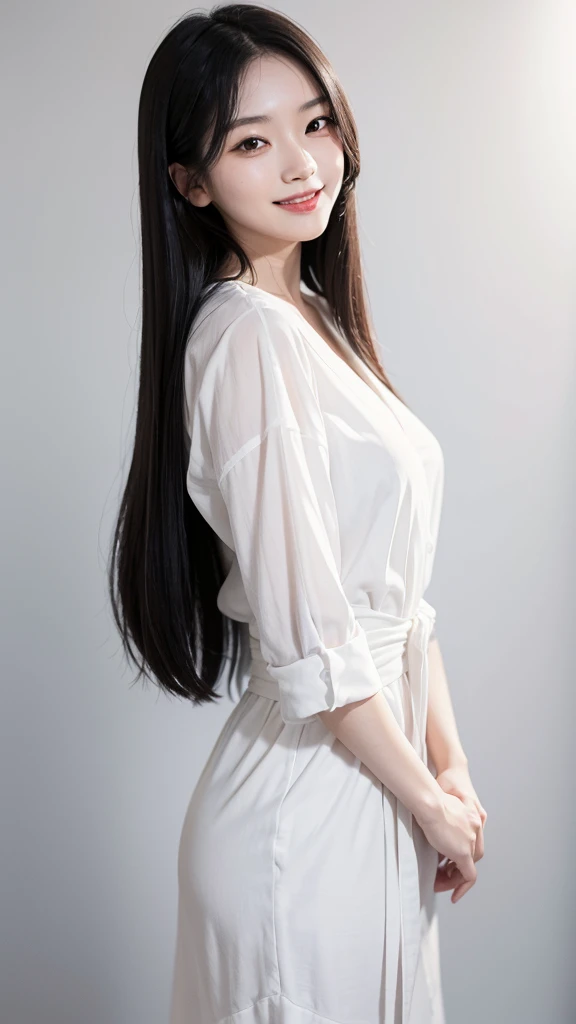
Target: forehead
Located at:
point(275, 82)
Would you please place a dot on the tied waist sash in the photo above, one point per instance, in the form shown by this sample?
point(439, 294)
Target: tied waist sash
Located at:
point(398, 645)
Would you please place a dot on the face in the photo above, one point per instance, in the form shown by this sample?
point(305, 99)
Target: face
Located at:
point(287, 145)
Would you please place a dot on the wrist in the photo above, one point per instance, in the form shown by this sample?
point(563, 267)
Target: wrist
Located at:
point(445, 757)
point(430, 804)
point(447, 763)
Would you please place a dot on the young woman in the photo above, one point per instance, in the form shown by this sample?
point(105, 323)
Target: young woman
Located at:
point(280, 518)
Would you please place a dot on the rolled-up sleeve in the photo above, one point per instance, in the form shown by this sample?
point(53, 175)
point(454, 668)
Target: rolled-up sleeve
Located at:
point(271, 458)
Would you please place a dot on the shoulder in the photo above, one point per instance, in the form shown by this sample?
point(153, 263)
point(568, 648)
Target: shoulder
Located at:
point(247, 357)
point(222, 306)
point(229, 302)
point(248, 371)
point(237, 327)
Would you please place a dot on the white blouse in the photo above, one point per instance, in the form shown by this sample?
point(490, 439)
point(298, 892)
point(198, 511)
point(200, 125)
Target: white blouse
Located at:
point(325, 491)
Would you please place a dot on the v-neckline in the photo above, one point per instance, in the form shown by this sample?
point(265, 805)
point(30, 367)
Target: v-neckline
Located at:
point(321, 346)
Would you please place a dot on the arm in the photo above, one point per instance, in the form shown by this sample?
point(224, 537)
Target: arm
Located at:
point(442, 737)
point(370, 730)
point(449, 759)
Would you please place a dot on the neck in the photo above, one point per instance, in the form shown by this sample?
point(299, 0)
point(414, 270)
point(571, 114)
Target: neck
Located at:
point(278, 274)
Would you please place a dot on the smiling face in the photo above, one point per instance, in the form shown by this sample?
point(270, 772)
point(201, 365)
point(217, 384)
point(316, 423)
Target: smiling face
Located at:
point(286, 145)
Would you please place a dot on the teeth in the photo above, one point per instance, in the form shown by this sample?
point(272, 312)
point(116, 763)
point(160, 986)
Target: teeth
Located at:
point(303, 199)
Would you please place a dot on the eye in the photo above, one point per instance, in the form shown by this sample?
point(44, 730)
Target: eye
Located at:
point(256, 138)
point(323, 117)
point(253, 138)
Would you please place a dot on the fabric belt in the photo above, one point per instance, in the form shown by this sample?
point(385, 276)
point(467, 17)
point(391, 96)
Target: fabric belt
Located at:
point(398, 645)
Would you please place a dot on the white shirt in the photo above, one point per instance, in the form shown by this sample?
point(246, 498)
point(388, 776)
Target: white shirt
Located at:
point(324, 489)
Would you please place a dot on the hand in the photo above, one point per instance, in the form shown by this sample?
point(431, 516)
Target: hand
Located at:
point(452, 827)
point(456, 780)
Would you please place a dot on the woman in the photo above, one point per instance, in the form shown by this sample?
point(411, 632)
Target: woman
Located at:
point(287, 527)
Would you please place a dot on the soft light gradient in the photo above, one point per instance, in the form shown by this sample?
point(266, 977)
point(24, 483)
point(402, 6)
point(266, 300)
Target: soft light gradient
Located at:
point(468, 222)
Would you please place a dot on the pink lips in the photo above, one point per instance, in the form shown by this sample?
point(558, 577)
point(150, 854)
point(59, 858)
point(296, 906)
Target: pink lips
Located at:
point(303, 206)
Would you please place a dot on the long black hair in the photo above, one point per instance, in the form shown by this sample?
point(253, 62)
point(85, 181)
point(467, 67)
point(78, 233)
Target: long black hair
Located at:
point(165, 569)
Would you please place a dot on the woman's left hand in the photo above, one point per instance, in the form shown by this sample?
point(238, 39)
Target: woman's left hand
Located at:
point(457, 781)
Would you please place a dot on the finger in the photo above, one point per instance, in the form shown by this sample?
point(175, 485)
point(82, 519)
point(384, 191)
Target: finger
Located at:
point(443, 882)
point(448, 876)
point(475, 818)
point(467, 868)
point(478, 841)
point(447, 868)
point(481, 810)
point(461, 891)
point(469, 873)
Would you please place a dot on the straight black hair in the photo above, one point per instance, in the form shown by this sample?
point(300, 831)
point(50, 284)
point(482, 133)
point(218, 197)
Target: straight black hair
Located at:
point(164, 569)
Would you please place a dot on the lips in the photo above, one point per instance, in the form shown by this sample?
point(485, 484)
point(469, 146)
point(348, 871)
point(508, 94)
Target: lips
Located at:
point(298, 197)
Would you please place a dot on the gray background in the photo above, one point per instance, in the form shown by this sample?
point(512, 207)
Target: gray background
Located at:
point(468, 227)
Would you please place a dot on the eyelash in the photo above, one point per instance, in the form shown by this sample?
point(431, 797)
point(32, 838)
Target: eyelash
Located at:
point(256, 138)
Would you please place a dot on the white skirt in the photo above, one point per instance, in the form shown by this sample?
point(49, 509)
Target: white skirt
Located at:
point(305, 887)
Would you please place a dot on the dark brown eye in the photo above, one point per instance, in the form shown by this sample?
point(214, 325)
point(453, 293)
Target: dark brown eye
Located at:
point(323, 117)
point(245, 147)
point(252, 138)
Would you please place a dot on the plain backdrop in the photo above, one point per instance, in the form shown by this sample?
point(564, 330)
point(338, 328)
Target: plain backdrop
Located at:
point(468, 227)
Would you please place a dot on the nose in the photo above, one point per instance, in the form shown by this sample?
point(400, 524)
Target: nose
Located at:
point(298, 163)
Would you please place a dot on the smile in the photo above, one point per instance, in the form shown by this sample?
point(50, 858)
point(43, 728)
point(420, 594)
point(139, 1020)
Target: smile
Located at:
point(303, 203)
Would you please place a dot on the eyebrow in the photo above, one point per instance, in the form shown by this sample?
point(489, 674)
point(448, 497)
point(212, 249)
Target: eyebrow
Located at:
point(262, 118)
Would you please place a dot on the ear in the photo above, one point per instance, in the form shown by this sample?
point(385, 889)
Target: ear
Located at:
point(195, 193)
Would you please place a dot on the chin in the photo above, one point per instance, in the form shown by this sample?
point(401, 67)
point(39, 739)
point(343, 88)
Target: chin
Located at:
point(313, 231)
point(308, 225)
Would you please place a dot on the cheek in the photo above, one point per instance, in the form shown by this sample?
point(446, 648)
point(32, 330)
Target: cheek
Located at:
point(244, 181)
point(332, 164)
